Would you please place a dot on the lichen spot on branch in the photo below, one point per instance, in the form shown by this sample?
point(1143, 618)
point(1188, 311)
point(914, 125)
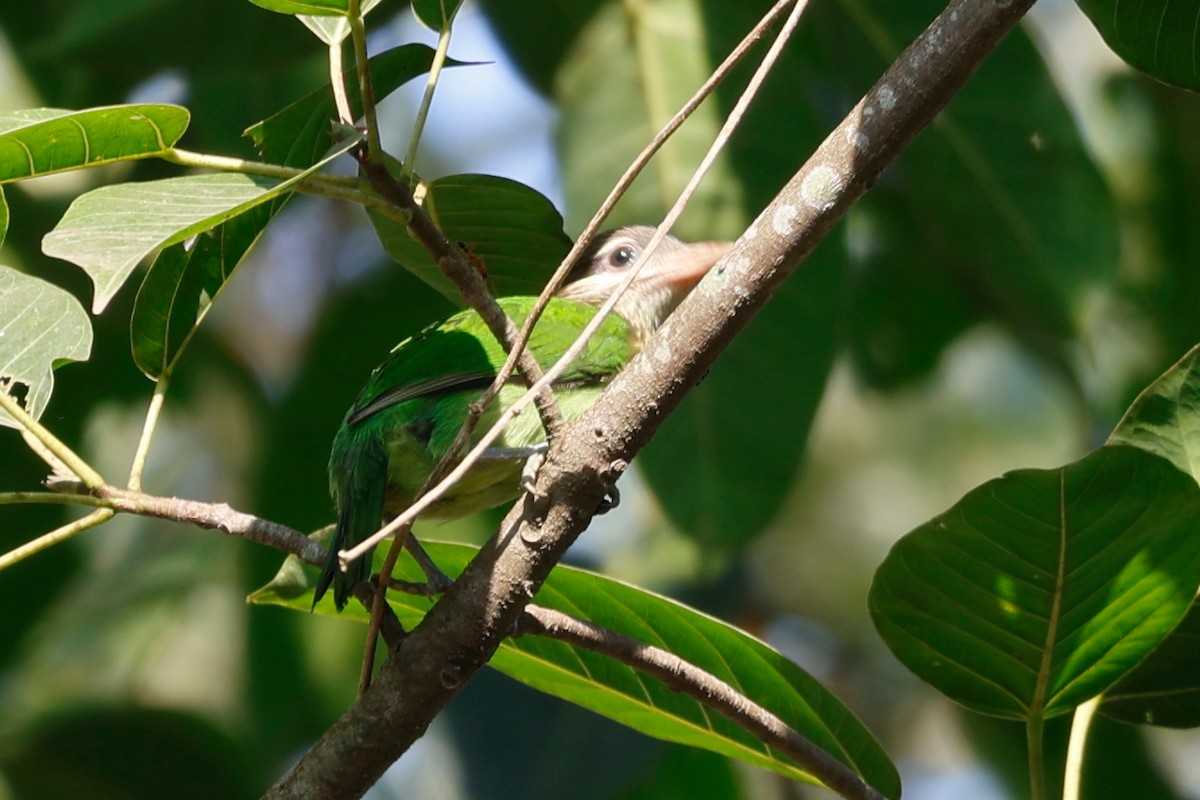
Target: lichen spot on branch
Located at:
point(821, 187)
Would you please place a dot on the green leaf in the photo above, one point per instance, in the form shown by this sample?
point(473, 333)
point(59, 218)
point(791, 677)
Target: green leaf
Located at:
point(513, 233)
point(332, 30)
point(743, 430)
point(41, 141)
point(321, 8)
point(1165, 688)
point(1040, 589)
point(996, 210)
point(436, 14)
point(1165, 417)
point(109, 230)
point(41, 327)
point(300, 133)
point(1156, 36)
point(627, 696)
point(186, 278)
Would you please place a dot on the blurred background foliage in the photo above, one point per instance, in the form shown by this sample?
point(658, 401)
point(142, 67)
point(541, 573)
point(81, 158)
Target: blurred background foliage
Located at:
point(995, 302)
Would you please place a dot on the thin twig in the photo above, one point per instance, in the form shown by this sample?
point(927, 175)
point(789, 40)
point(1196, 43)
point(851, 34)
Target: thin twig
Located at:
point(366, 91)
point(408, 166)
point(702, 686)
point(337, 82)
point(143, 447)
point(56, 536)
point(68, 457)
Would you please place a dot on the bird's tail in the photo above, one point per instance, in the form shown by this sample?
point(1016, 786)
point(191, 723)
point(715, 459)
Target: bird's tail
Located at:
point(359, 484)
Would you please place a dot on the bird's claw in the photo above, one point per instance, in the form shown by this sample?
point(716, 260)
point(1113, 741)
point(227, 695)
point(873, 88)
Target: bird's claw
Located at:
point(611, 500)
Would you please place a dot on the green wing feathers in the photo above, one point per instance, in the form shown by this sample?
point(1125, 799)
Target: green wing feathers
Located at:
point(415, 401)
point(358, 482)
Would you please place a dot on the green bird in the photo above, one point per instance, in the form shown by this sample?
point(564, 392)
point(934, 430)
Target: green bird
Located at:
point(414, 403)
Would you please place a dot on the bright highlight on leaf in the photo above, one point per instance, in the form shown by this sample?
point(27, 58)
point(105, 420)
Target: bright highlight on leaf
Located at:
point(109, 231)
point(312, 7)
point(42, 141)
point(628, 696)
point(1040, 589)
point(41, 327)
point(1165, 417)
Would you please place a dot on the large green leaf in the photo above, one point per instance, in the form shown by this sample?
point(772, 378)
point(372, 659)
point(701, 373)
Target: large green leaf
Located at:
point(1156, 36)
point(109, 230)
point(302, 131)
point(1040, 589)
point(41, 141)
point(624, 694)
point(510, 231)
point(1165, 688)
point(1165, 418)
point(186, 277)
point(41, 327)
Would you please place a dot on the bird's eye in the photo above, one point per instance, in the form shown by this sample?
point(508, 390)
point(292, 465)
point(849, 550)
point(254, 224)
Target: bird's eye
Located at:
point(623, 256)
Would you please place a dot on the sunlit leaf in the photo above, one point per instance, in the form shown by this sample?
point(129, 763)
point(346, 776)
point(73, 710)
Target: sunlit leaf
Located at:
point(1165, 418)
point(332, 30)
point(1040, 589)
point(41, 326)
point(1156, 36)
point(628, 696)
point(109, 230)
point(511, 232)
point(41, 141)
point(186, 277)
point(1165, 688)
point(310, 7)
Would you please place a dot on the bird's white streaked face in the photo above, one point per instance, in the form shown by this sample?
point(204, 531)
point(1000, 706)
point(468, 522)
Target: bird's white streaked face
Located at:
point(673, 269)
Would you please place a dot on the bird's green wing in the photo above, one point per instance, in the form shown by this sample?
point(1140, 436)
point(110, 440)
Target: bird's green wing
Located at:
point(461, 353)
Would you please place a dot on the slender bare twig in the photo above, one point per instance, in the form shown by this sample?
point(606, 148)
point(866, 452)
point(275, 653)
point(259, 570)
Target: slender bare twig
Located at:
point(702, 686)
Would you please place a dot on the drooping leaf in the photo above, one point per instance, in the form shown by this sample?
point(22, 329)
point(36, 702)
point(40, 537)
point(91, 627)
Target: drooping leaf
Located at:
point(186, 277)
point(508, 230)
point(41, 141)
point(41, 327)
point(302, 131)
point(436, 14)
point(1165, 418)
point(629, 697)
point(1040, 589)
point(1156, 36)
point(322, 8)
point(1165, 688)
point(332, 30)
point(109, 230)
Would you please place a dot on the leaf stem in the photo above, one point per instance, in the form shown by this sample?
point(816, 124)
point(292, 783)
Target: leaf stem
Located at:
point(358, 35)
point(1081, 726)
point(1034, 728)
point(56, 536)
point(188, 158)
point(337, 82)
point(435, 72)
point(64, 454)
point(152, 414)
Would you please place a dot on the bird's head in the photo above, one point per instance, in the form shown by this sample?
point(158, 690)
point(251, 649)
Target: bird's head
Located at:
point(662, 283)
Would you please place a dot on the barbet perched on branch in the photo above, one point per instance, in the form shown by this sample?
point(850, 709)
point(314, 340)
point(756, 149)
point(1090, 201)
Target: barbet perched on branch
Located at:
point(411, 409)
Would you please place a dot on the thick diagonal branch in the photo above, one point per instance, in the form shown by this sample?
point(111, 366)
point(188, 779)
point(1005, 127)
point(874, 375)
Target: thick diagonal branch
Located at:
point(461, 632)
